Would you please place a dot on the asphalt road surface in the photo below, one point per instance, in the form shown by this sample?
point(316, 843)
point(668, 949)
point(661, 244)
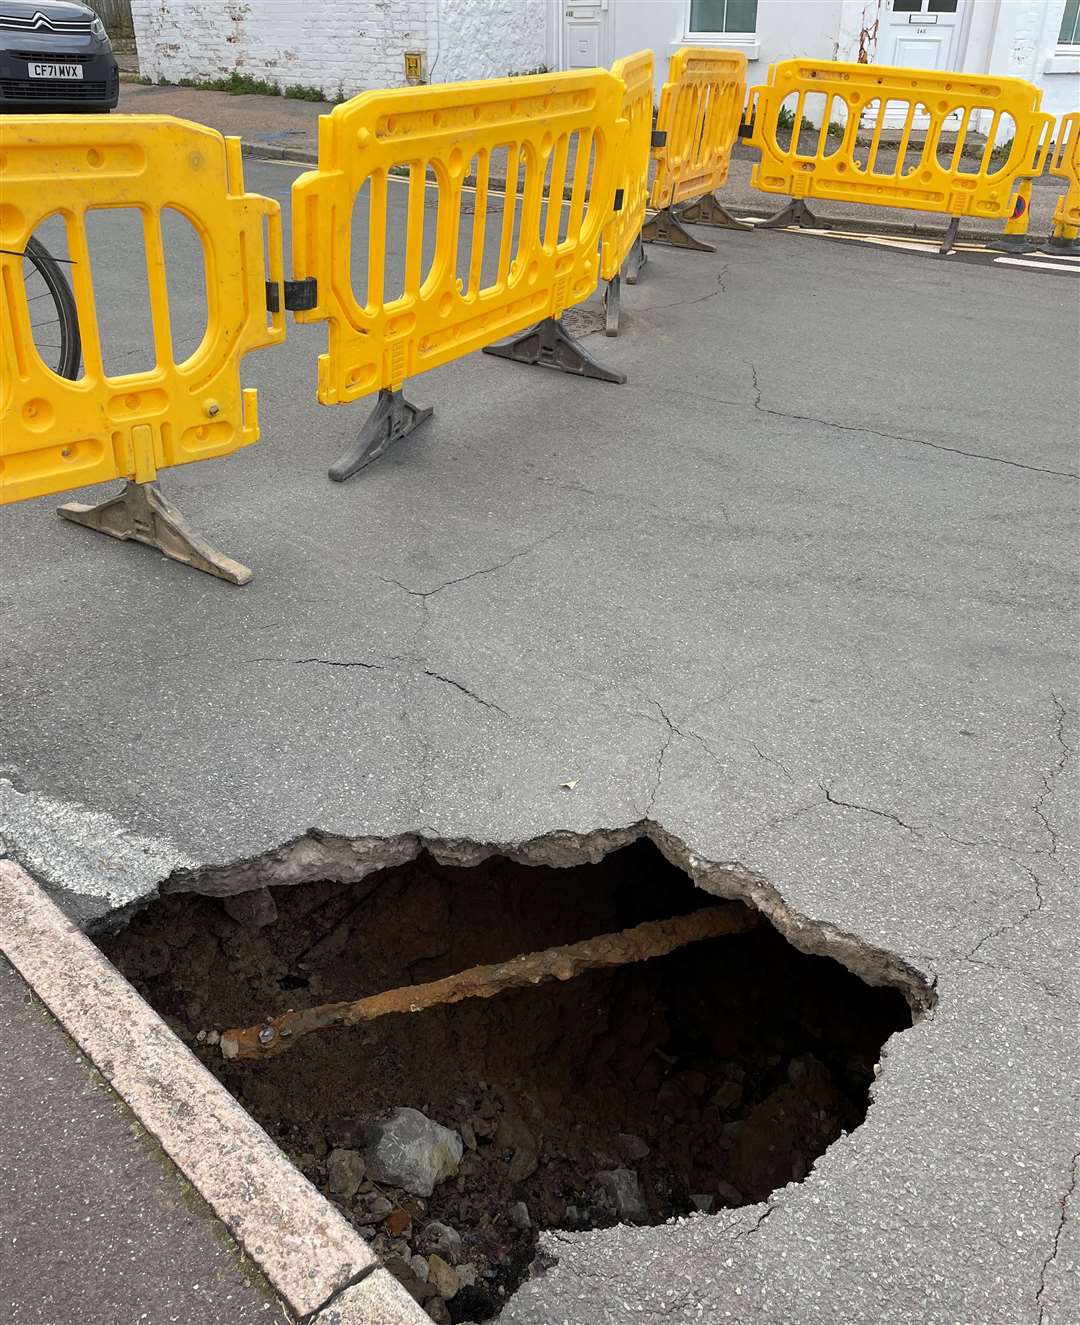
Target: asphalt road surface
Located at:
point(802, 592)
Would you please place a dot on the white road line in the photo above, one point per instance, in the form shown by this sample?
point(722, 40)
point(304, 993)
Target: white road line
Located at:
point(1041, 266)
point(1060, 257)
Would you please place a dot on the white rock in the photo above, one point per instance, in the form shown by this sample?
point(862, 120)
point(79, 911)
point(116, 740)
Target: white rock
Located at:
point(620, 1189)
point(408, 1150)
point(519, 1214)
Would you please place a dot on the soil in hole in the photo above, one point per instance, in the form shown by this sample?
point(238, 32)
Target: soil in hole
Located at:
point(703, 1079)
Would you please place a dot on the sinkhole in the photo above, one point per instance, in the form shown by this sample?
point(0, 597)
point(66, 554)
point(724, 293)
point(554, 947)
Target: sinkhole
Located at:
point(582, 1096)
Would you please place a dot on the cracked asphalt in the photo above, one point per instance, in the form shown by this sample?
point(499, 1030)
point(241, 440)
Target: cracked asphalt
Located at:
point(803, 592)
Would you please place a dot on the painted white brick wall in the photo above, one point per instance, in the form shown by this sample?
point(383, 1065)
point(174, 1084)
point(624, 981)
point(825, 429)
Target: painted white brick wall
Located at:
point(337, 45)
point(487, 38)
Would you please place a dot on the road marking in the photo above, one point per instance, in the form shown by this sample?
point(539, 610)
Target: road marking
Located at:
point(1042, 266)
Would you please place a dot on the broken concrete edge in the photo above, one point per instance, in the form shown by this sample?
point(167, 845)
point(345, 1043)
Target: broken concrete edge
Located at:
point(374, 1301)
point(297, 1239)
point(317, 856)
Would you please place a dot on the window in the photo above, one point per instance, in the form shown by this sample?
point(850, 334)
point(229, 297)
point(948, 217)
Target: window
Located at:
point(708, 16)
point(1070, 24)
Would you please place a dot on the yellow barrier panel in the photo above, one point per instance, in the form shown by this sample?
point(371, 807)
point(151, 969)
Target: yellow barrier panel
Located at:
point(553, 130)
point(621, 244)
point(1066, 165)
point(701, 108)
point(933, 176)
point(56, 433)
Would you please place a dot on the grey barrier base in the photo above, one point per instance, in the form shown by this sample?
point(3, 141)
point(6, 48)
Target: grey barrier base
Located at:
point(707, 211)
point(548, 345)
point(666, 228)
point(142, 514)
point(393, 418)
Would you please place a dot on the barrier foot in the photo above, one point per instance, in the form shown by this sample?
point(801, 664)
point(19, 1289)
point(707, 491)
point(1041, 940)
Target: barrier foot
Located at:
point(666, 228)
point(951, 231)
point(548, 345)
point(612, 300)
point(707, 211)
point(635, 260)
point(141, 513)
point(795, 213)
point(1013, 244)
point(393, 418)
point(1060, 244)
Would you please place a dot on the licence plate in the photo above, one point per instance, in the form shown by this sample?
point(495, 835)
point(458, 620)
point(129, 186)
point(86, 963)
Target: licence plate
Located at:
point(40, 70)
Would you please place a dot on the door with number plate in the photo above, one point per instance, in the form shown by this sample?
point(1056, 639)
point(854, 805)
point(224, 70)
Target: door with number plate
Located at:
point(585, 35)
point(922, 34)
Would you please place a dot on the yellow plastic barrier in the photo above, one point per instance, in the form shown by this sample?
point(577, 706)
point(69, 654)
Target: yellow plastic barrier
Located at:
point(521, 128)
point(934, 176)
point(1065, 163)
point(621, 245)
point(56, 433)
point(697, 125)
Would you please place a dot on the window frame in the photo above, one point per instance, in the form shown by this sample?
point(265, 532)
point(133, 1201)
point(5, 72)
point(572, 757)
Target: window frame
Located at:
point(725, 35)
point(1063, 47)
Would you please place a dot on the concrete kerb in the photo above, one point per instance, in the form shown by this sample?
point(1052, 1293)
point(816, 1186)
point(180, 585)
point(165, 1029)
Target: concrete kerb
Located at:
point(304, 1246)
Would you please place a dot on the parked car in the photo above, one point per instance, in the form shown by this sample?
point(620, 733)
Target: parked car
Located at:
point(55, 55)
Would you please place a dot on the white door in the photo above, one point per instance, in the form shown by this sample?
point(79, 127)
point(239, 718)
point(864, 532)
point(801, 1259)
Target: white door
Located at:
point(585, 34)
point(922, 34)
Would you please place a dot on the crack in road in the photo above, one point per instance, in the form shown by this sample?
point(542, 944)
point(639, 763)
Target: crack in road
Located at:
point(687, 303)
point(749, 1232)
point(673, 731)
point(320, 662)
point(337, 662)
point(472, 575)
point(1067, 1196)
point(770, 760)
point(659, 775)
point(868, 809)
point(1048, 779)
point(458, 685)
point(1040, 902)
point(897, 437)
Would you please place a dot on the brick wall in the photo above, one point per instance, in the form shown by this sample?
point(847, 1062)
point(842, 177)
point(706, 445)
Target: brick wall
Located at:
point(337, 45)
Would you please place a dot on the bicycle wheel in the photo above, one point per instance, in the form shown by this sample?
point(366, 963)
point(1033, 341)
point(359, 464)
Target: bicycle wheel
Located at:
point(54, 320)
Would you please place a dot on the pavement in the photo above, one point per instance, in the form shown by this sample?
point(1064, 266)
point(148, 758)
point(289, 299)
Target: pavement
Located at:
point(801, 594)
point(279, 127)
point(98, 1226)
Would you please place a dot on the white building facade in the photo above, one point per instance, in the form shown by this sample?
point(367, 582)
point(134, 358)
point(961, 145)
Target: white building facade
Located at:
point(1038, 40)
point(344, 46)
